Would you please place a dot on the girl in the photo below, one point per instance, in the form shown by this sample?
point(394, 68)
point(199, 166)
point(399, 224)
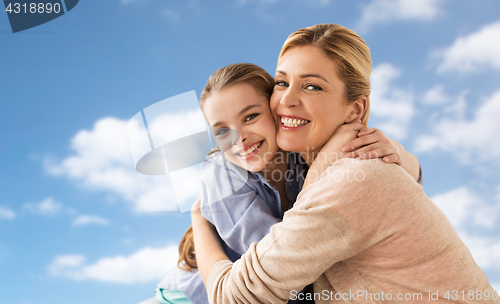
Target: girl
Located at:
point(249, 182)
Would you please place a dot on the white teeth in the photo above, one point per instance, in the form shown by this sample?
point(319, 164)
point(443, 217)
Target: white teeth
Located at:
point(250, 150)
point(289, 122)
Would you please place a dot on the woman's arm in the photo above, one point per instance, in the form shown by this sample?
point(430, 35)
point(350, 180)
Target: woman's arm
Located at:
point(331, 221)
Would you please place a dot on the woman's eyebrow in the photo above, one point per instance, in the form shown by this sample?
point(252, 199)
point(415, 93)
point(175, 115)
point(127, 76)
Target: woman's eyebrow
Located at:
point(305, 75)
point(314, 75)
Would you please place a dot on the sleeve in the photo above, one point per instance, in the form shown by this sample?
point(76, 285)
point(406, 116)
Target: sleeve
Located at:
point(238, 212)
point(187, 282)
point(330, 222)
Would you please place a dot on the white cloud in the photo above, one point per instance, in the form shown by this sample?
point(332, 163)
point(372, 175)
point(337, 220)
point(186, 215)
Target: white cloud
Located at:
point(171, 15)
point(465, 210)
point(435, 96)
point(391, 107)
point(84, 220)
point(387, 11)
point(462, 206)
point(102, 160)
point(471, 141)
point(496, 286)
point(48, 206)
point(7, 214)
point(485, 250)
point(474, 52)
point(145, 265)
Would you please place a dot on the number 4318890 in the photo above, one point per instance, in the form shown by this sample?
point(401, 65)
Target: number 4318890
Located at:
point(33, 8)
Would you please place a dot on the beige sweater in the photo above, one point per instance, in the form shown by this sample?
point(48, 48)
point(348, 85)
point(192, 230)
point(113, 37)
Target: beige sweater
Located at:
point(365, 232)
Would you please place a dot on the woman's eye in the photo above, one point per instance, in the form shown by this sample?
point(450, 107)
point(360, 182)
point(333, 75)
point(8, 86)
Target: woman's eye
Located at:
point(221, 131)
point(250, 117)
point(280, 83)
point(312, 88)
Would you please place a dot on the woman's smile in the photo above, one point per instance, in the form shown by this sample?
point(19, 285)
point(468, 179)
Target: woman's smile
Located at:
point(291, 123)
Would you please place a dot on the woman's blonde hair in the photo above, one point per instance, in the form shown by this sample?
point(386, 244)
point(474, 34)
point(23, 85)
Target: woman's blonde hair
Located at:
point(347, 49)
point(222, 79)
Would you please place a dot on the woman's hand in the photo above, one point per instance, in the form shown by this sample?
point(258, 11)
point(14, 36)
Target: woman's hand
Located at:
point(373, 143)
point(206, 242)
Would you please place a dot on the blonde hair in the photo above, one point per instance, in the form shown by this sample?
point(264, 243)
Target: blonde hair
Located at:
point(221, 79)
point(347, 49)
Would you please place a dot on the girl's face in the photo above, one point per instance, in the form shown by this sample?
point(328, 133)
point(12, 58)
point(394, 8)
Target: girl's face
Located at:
point(243, 126)
point(308, 98)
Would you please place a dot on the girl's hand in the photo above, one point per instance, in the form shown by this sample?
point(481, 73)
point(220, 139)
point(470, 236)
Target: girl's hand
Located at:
point(331, 150)
point(373, 143)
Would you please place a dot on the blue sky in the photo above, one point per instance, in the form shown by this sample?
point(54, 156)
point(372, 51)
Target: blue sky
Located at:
point(76, 220)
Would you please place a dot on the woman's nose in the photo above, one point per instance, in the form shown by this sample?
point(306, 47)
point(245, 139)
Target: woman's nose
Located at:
point(290, 97)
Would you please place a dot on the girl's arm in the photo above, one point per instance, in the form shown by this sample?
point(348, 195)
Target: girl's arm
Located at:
point(367, 143)
point(234, 202)
point(207, 244)
point(373, 143)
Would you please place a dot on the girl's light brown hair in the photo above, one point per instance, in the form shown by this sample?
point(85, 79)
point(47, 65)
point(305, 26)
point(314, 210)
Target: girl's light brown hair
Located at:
point(347, 49)
point(222, 79)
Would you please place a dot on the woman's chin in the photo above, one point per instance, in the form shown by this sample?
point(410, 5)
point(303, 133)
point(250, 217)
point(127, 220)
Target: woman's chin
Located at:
point(289, 145)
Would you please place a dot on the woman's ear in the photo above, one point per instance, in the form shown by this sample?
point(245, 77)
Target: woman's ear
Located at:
point(357, 109)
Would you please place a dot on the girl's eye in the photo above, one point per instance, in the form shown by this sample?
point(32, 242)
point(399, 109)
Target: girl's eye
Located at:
point(312, 88)
point(221, 131)
point(250, 117)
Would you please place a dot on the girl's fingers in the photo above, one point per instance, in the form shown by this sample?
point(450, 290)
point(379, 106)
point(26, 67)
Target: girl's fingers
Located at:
point(376, 153)
point(394, 158)
point(363, 150)
point(366, 130)
point(374, 150)
point(362, 141)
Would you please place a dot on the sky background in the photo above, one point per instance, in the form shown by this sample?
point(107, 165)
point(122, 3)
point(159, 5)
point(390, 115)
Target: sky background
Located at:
point(76, 219)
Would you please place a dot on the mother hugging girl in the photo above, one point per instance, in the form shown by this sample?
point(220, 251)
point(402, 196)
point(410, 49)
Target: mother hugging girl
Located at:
point(376, 234)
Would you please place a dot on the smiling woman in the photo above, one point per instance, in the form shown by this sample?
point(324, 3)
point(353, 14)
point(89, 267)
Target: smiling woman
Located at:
point(309, 89)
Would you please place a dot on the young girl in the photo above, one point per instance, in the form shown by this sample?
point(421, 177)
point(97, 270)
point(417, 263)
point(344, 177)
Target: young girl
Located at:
point(248, 182)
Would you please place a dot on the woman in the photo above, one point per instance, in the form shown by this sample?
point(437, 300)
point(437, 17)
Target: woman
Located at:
point(361, 231)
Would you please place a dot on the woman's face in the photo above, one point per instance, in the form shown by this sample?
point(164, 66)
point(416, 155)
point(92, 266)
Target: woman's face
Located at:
point(308, 98)
point(243, 126)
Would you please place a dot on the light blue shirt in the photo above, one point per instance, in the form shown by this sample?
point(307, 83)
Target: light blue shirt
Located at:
point(241, 205)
